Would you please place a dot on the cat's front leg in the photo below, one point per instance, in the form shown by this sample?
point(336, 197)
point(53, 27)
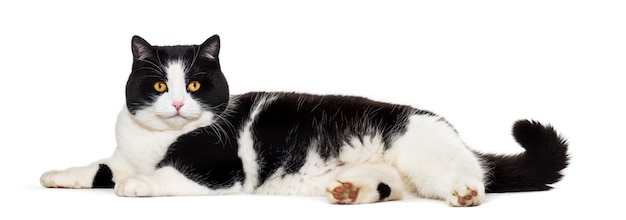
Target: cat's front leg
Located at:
point(95, 175)
point(165, 181)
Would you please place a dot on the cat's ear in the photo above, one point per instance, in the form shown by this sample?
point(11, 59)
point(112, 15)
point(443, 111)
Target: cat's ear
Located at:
point(141, 48)
point(211, 47)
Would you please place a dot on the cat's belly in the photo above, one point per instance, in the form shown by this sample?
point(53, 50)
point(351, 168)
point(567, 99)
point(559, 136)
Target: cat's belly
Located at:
point(317, 174)
point(311, 180)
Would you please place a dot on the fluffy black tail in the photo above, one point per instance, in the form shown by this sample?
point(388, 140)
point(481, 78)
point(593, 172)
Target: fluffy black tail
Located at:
point(532, 170)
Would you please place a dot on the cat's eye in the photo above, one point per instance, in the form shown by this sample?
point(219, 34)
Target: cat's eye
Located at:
point(160, 86)
point(193, 86)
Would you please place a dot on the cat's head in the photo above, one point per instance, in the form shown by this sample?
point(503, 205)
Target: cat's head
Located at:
point(171, 87)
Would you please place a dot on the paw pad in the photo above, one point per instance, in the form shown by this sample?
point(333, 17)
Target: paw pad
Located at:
point(344, 193)
point(465, 196)
point(463, 200)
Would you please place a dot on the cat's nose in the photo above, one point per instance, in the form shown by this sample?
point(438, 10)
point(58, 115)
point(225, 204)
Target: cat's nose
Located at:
point(177, 105)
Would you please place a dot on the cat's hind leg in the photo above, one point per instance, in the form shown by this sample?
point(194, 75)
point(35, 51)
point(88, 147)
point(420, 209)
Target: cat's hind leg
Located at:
point(366, 183)
point(436, 163)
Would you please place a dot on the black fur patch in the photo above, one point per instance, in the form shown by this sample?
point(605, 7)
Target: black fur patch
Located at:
point(208, 155)
point(383, 191)
point(294, 124)
point(103, 178)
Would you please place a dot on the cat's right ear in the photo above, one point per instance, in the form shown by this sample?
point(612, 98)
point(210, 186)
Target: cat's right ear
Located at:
point(141, 48)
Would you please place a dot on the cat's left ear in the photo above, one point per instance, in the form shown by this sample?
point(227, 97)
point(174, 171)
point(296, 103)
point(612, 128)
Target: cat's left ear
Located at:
point(211, 47)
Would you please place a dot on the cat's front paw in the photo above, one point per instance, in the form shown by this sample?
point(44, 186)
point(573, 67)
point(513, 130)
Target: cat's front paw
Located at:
point(64, 179)
point(134, 187)
point(466, 195)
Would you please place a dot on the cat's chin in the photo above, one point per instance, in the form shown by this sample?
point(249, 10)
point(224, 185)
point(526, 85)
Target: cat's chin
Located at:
point(155, 122)
point(177, 121)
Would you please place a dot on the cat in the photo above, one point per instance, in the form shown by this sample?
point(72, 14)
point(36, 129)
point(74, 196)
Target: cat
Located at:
point(182, 133)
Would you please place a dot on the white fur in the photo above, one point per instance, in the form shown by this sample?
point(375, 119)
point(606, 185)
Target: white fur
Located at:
point(74, 177)
point(433, 159)
point(166, 181)
point(246, 147)
point(370, 150)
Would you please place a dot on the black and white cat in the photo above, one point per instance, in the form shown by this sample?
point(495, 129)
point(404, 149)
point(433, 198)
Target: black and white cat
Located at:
point(182, 133)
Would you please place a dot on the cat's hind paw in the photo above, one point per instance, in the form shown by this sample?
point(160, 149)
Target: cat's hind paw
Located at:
point(365, 184)
point(343, 193)
point(465, 195)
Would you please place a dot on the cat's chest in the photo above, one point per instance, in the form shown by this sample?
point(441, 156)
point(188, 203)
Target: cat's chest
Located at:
point(142, 148)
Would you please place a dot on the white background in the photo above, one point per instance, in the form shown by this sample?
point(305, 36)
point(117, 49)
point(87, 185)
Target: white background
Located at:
point(481, 64)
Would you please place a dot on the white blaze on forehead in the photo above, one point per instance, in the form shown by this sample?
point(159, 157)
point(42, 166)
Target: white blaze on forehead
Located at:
point(175, 71)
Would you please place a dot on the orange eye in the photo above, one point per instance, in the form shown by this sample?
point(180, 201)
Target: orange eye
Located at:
point(193, 86)
point(160, 86)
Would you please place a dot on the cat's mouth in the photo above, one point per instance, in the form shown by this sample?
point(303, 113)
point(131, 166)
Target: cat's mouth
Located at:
point(176, 120)
point(178, 115)
point(179, 118)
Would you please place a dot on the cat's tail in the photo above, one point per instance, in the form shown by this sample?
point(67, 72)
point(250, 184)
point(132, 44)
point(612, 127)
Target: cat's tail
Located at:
point(533, 170)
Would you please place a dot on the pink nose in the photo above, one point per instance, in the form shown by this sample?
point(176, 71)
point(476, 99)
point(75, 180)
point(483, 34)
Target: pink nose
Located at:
point(177, 105)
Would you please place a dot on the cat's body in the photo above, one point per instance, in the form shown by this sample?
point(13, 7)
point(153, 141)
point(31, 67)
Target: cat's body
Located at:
point(181, 133)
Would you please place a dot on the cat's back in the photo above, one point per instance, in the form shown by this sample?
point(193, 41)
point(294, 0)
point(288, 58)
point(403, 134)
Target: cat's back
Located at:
point(289, 108)
point(294, 120)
